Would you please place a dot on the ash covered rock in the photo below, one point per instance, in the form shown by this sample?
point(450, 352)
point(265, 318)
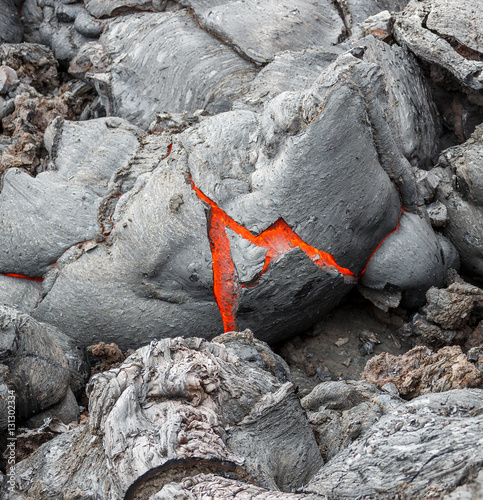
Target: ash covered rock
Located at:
point(427, 447)
point(445, 34)
point(420, 371)
point(186, 399)
point(341, 411)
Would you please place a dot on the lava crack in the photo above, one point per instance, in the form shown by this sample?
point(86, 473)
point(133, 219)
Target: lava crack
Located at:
point(277, 239)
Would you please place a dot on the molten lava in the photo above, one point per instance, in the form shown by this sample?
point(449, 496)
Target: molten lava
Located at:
point(21, 276)
point(278, 239)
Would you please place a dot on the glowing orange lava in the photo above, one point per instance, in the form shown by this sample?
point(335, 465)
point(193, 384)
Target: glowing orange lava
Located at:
point(276, 239)
point(21, 276)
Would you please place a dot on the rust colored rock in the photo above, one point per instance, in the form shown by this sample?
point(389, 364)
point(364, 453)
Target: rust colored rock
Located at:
point(109, 354)
point(34, 64)
point(420, 371)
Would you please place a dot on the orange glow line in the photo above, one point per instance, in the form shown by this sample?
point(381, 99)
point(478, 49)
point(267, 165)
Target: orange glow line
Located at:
point(381, 242)
point(21, 276)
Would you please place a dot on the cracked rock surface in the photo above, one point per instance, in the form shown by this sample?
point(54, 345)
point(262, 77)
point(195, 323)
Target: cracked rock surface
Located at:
point(428, 445)
point(430, 29)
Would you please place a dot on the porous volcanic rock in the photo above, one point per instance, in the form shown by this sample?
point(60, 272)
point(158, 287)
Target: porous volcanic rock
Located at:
point(178, 402)
point(420, 371)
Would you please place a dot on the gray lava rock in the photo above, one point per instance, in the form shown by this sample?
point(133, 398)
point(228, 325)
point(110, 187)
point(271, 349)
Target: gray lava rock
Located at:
point(438, 214)
point(173, 401)
point(153, 274)
point(109, 8)
point(409, 260)
point(67, 410)
point(340, 412)
point(59, 208)
point(449, 316)
point(182, 69)
point(11, 29)
point(460, 190)
point(445, 33)
point(62, 26)
point(288, 72)
point(259, 29)
point(430, 445)
point(38, 362)
point(20, 294)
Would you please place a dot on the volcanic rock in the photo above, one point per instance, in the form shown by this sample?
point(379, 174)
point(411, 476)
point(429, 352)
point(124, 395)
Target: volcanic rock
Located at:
point(33, 63)
point(214, 486)
point(11, 30)
point(460, 190)
point(54, 23)
point(427, 447)
point(341, 411)
point(179, 402)
point(20, 294)
point(420, 371)
point(39, 363)
point(445, 33)
point(246, 163)
point(32, 100)
point(449, 317)
point(66, 198)
point(171, 76)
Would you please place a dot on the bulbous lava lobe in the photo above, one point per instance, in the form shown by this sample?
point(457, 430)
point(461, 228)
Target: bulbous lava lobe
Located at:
point(321, 160)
